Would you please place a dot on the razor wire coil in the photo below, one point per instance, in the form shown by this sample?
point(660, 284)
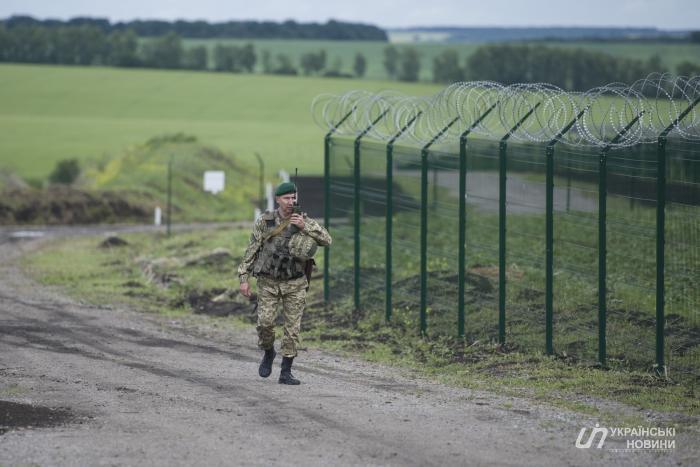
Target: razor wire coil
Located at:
point(535, 112)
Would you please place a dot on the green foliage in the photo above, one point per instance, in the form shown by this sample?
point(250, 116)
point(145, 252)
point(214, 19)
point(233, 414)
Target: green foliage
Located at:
point(360, 65)
point(66, 172)
point(446, 67)
point(284, 66)
point(123, 49)
point(164, 52)
point(171, 138)
point(391, 61)
point(195, 58)
point(94, 42)
point(334, 30)
point(409, 65)
point(688, 69)
point(313, 63)
point(233, 58)
point(576, 69)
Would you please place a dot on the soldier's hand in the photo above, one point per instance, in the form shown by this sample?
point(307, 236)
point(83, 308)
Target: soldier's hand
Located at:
point(298, 220)
point(245, 289)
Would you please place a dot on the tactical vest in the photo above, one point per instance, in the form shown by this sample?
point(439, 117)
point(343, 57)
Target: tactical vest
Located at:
point(274, 259)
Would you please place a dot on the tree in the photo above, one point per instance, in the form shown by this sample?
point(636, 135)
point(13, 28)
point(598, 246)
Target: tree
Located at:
point(410, 65)
point(123, 48)
point(65, 172)
point(248, 58)
point(76, 45)
point(336, 66)
point(284, 66)
point(688, 69)
point(164, 52)
point(655, 65)
point(195, 58)
point(235, 59)
point(391, 60)
point(446, 67)
point(266, 61)
point(694, 36)
point(225, 58)
point(360, 65)
point(312, 62)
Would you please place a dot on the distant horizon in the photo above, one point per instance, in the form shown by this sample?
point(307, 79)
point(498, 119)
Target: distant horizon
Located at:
point(387, 14)
point(387, 28)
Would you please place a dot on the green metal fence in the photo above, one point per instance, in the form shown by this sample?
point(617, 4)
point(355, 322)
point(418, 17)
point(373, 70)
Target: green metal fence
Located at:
point(590, 251)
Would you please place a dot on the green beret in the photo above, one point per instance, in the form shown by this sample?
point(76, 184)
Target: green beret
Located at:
point(284, 188)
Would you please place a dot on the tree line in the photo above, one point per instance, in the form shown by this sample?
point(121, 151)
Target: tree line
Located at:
point(570, 69)
point(87, 44)
point(331, 30)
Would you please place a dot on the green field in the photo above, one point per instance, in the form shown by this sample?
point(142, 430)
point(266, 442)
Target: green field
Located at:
point(50, 113)
point(345, 51)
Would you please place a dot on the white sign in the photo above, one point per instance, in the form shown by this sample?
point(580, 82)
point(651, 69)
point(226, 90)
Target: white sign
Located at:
point(214, 181)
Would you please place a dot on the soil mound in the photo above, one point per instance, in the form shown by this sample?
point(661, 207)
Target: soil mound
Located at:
point(66, 205)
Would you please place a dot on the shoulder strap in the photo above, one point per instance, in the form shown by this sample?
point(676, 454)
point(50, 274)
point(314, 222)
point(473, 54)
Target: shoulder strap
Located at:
point(277, 230)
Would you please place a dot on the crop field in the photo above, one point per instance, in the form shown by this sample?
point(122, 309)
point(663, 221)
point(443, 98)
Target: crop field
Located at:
point(51, 113)
point(344, 52)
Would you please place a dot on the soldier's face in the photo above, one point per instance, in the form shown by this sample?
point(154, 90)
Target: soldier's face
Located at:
point(286, 202)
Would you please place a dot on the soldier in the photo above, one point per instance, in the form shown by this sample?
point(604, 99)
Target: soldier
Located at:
point(279, 255)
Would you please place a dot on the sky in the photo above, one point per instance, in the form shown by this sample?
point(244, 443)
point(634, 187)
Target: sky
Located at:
point(662, 14)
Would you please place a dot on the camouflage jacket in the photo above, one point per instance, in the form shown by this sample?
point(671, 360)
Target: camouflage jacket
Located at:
point(311, 228)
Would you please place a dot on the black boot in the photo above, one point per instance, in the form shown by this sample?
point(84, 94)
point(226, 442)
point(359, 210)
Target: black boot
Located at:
point(266, 365)
point(286, 373)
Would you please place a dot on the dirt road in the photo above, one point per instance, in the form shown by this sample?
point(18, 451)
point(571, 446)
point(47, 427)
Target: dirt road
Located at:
point(109, 386)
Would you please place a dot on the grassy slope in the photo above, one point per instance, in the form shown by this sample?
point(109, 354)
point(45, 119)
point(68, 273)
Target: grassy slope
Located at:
point(143, 169)
point(51, 113)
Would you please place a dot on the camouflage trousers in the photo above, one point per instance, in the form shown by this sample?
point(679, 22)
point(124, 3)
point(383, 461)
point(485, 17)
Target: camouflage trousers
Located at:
point(292, 294)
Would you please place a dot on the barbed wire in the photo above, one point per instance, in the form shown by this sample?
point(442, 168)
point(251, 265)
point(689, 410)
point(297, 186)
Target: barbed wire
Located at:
point(535, 112)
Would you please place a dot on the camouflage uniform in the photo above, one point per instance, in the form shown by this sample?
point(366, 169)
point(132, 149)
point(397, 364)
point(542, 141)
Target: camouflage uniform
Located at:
point(292, 292)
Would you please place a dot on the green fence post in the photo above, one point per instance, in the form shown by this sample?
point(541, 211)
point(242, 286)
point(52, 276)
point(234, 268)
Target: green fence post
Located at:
point(602, 240)
point(390, 214)
point(327, 201)
point(356, 224)
point(356, 206)
point(462, 237)
point(463, 217)
point(549, 248)
point(423, 240)
point(503, 145)
point(660, 256)
point(549, 235)
point(424, 228)
point(661, 239)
